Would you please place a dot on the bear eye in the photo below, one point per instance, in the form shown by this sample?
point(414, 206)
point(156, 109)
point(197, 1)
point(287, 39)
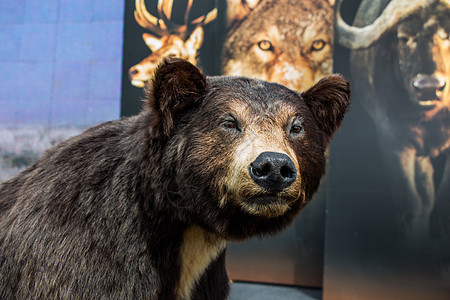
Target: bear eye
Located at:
point(230, 125)
point(265, 45)
point(296, 128)
point(318, 45)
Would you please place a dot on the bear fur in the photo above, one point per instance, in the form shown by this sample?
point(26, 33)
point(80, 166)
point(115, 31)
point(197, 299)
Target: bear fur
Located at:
point(143, 207)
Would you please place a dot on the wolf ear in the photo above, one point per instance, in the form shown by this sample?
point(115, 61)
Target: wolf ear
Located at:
point(328, 101)
point(175, 87)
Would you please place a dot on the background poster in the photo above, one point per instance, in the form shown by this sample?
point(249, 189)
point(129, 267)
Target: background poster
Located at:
point(387, 224)
point(60, 71)
point(289, 42)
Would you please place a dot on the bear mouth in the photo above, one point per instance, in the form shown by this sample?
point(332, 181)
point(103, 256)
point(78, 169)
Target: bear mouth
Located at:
point(266, 200)
point(269, 206)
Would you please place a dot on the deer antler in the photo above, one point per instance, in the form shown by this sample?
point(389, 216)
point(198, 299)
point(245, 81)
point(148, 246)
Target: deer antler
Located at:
point(167, 38)
point(162, 25)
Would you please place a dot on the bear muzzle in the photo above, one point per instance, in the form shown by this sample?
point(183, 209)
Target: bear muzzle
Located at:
point(267, 185)
point(273, 171)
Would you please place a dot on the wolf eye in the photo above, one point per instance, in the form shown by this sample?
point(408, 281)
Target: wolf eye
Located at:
point(265, 45)
point(318, 45)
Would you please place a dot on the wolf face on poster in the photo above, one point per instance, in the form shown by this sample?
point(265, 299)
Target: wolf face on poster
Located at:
point(242, 37)
point(400, 73)
point(294, 49)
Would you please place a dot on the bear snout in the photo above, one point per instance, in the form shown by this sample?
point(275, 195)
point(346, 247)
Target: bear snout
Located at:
point(273, 171)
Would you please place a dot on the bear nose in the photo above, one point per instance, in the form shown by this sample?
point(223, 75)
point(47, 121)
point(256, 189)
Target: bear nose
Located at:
point(273, 171)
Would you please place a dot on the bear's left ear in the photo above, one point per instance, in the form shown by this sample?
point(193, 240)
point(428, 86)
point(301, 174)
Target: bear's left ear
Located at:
point(176, 86)
point(328, 101)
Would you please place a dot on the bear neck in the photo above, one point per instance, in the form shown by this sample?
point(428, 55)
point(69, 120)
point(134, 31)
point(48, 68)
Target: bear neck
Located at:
point(199, 248)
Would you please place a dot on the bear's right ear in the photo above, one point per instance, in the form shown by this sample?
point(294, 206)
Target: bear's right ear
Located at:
point(328, 101)
point(175, 87)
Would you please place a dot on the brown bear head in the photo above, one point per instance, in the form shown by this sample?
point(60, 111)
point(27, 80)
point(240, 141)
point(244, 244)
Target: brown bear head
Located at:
point(241, 156)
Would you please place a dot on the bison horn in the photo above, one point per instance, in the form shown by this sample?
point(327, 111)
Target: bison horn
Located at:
point(363, 37)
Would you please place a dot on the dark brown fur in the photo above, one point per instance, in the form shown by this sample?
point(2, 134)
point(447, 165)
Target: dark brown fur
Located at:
point(104, 214)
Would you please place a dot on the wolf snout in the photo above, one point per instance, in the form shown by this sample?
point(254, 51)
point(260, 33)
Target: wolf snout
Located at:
point(273, 171)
